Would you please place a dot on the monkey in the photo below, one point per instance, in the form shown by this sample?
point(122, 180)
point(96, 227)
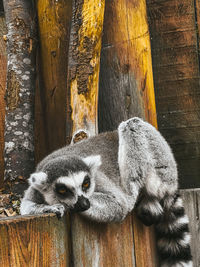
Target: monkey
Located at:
point(106, 176)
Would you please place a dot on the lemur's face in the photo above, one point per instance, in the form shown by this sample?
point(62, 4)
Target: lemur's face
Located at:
point(70, 181)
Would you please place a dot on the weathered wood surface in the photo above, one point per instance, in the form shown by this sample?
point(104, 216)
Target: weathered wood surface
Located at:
point(34, 241)
point(3, 67)
point(191, 199)
point(102, 245)
point(54, 18)
point(126, 79)
point(84, 64)
point(126, 89)
point(174, 27)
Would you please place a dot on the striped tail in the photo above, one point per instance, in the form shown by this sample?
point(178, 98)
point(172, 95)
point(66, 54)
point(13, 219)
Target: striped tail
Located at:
point(173, 235)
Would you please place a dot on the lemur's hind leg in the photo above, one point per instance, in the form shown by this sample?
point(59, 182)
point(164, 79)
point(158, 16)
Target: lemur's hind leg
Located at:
point(134, 158)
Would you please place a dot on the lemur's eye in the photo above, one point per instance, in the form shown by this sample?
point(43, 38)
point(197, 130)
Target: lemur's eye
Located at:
point(86, 183)
point(63, 191)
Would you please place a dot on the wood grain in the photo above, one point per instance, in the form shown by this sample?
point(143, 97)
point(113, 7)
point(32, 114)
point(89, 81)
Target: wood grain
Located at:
point(3, 70)
point(174, 28)
point(102, 244)
point(54, 19)
point(34, 241)
point(191, 199)
point(126, 79)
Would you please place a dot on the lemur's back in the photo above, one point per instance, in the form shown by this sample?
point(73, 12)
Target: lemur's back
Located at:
point(105, 144)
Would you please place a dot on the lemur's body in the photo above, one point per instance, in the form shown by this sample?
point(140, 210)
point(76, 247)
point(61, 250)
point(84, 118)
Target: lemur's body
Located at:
point(135, 166)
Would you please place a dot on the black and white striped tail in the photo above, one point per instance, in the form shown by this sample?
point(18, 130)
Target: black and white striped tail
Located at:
point(173, 234)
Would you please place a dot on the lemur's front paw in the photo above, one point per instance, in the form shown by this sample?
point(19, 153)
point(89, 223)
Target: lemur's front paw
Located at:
point(58, 209)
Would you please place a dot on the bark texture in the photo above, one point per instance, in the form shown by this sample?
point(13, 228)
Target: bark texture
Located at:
point(19, 137)
point(84, 64)
point(3, 67)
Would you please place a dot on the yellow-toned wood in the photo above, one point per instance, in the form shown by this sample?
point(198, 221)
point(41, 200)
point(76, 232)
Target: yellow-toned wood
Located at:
point(85, 47)
point(126, 78)
point(54, 18)
point(139, 50)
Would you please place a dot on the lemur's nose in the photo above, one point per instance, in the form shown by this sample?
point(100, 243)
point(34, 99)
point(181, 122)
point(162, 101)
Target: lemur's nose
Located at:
point(82, 204)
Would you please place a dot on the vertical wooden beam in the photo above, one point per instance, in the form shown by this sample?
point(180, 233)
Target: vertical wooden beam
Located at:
point(191, 200)
point(93, 244)
point(126, 89)
point(3, 70)
point(174, 27)
point(54, 18)
point(126, 79)
point(84, 63)
point(34, 241)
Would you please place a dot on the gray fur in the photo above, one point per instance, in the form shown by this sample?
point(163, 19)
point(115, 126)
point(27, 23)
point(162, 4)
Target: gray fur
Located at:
point(131, 167)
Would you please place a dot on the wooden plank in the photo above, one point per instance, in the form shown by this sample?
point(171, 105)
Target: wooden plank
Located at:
point(174, 39)
point(144, 238)
point(126, 89)
point(3, 70)
point(189, 168)
point(54, 19)
point(102, 244)
point(191, 199)
point(34, 241)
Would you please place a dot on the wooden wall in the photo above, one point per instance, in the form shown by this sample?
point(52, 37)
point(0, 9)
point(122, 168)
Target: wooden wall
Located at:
point(175, 30)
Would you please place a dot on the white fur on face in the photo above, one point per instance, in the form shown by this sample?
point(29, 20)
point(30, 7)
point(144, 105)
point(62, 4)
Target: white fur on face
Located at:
point(37, 179)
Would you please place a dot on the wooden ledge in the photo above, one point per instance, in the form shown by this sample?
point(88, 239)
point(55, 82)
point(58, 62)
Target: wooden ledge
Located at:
point(40, 240)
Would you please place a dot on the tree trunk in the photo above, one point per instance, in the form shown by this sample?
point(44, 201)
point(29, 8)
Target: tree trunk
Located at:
point(3, 66)
point(19, 137)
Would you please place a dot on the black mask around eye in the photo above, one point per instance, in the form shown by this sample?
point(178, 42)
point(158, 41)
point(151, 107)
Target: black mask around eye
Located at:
point(81, 205)
point(62, 191)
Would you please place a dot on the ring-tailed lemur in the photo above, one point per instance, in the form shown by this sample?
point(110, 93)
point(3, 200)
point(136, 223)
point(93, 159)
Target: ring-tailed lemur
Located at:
point(106, 176)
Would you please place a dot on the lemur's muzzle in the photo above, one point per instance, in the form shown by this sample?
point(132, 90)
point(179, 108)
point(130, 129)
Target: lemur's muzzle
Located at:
point(81, 204)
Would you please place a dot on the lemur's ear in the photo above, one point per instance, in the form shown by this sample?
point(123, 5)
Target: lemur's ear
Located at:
point(94, 162)
point(37, 178)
